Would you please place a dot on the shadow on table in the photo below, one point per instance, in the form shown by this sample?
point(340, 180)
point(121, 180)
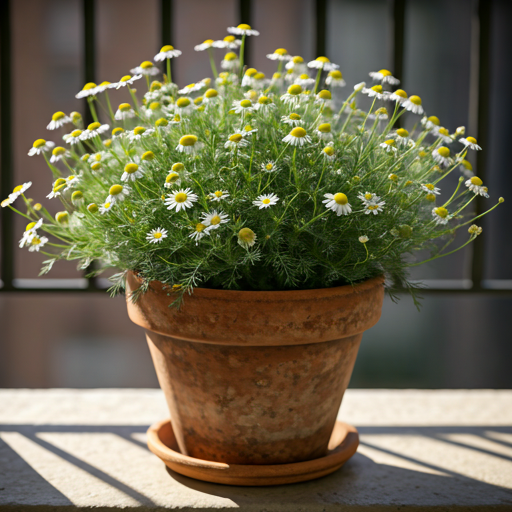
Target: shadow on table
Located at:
point(361, 481)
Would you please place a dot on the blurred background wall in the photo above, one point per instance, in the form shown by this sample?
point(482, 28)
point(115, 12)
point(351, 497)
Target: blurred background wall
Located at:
point(80, 339)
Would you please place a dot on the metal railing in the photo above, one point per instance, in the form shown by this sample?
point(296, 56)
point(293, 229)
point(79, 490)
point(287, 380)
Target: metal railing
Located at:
point(481, 31)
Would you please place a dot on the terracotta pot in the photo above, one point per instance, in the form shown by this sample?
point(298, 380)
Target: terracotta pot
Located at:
point(255, 377)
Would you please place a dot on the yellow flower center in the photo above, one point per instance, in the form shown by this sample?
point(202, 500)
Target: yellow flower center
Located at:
point(230, 56)
point(415, 99)
point(297, 60)
point(402, 132)
point(161, 122)
point(298, 132)
point(328, 150)
point(62, 217)
point(180, 197)
point(336, 74)
point(75, 116)
point(211, 93)
point(236, 137)
point(89, 86)
point(30, 226)
point(429, 186)
point(325, 128)
point(130, 168)
point(115, 190)
point(77, 195)
point(248, 128)
point(434, 120)
point(139, 130)
point(444, 131)
point(281, 51)
point(200, 227)
point(58, 183)
point(146, 64)
point(294, 89)
point(266, 200)
point(125, 78)
point(172, 177)
point(294, 117)
point(178, 166)
point(148, 155)
point(325, 95)
point(166, 48)
point(229, 39)
point(188, 140)
point(401, 93)
point(154, 105)
point(104, 84)
point(155, 86)
point(269, 167)
point(58, 115)
point(259, 76)
point(94, 126)
point(390, 142)
point(304, 76)
point(96, 166)
point(245, 103)
point(467, 165)
point(385, 72)
point(246, 235)
point(244, 26)
point(215, 220)
point(475, 180)
point(340, 198)
point(183, 102)
point(76, 133)
point(372, 207)
point(58, 151)
point(157, 235)
point(325, 60)
point(430, 197)
point(208, 41)
point(117, 130)
point(35, 241)
point(471, 139)
point(393, 177)
point(218, 193)
point(39, 143)
point(264, 100)
point(377, 88)
point(441, 212)
point(443, 151)
point(251, 72)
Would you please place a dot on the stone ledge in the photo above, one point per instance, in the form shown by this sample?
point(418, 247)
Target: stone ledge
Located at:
point(68, 450)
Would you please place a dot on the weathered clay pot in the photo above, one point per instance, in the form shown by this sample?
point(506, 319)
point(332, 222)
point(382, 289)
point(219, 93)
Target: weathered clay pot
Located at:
point(255, 377)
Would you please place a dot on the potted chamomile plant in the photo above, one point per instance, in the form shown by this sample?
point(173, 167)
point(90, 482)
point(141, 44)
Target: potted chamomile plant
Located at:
point(255, 221)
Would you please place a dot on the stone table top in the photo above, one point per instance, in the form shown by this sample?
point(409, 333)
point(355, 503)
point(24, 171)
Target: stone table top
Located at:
point(64, 449)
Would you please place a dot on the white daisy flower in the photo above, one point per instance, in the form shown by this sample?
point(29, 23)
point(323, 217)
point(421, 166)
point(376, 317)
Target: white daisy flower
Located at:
point(242, 106)
point(475, 185)
point(329, 153)
point(199, 232)
point(230, 61)
point(180, 199)
point(269, 166)
point(36, 242)
point(155, 236)
point(124, 111)
point(413, 104)
point(58, 119)
point(125, 81)
point(187, 144)
point(441, 156)
point(146, 68)
point(213, 220)
point(264, 105)
point(94, 130)
point(190, 88)
point(304, 81)
point(229, 42)
point(246, 237)
point(139, 132)
point(402, 137)
point(297, 137)
point(292, 96)
point(248, 78)
point(265, 201)
point(117, 193)
point(204, 45)
point(167, 52)
point(440, 215)
point(385, 77)
point(235, 141)
point(279, 54)
point(218, 195)
point(470, 142)
point(225, 79)
point(430, 123)
point(132, 172)
point(58, 154)
point(211, 96)
point(322, 63)
point(399, 96)
point(103, 87)
point(466, 167)
point(17, 192)
point(335, 79)
point(374, 208)
point(243, 30)
point(30, 232)
point(292, 119)
point(40, 146)
point(389, 146)
point(118, 132)
point(360, 86)
point(89, 89)
point(72, 181)
point(369, 198)
point(363, 239)
point(430, 188)
point(337, 203)
point(296, 65)
point(374, 92)
point(249, 131)
point(172, 179)
point(324, 131)
point(106, 207)
point(73, 137)
point(443, 134)
point(259, 82)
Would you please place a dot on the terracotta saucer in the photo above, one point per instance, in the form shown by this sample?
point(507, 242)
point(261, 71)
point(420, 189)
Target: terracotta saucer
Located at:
point(343, 444)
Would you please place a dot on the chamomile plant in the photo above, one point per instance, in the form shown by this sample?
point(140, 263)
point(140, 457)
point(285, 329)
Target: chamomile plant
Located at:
point(243, 181)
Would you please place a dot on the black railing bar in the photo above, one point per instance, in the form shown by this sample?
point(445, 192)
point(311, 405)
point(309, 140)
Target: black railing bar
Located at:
point(320, 28)
point(397, 43)
point(245, 16)
point(483, 29)
point(166, 32)
point(6, 162)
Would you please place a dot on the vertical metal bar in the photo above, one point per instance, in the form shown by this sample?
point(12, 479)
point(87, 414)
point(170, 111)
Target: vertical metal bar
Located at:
point(321, 27)
point(398, 38)
point(245, 16)
point(166, 26)
point(484, 80)
point(6, 178)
